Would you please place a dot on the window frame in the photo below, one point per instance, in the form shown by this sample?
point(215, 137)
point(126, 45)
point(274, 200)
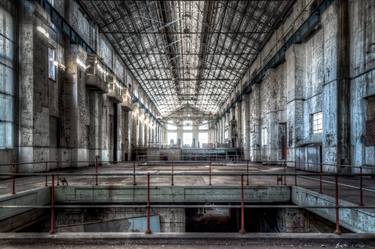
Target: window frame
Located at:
point(52, 68)
point(7, 106)
point(317, 123)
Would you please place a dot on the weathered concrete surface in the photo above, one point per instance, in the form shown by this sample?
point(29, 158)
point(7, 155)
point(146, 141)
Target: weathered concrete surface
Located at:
point(357, 220)
point(332, 68)
point(62, 119)
point(118, 219)
point(165, 194)
point(13, 218)
point(185, 241)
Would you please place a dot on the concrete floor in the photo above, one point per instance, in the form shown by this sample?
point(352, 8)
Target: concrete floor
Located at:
point(348, 185)
point(190, 244)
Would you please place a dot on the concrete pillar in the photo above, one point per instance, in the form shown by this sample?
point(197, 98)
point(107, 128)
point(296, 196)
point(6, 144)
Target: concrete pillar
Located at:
point(255, 131)
point(96, 115)
point(33, 93)
point(126, 131)
point(76, 114)
point(146, 130)
point(246, 125)
point(196, 136)
point(295, 100)
point(238, 118)
point(343, 86)
point(180, 141)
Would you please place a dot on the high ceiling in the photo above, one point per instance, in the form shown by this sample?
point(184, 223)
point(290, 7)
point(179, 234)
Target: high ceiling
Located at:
point(187, 52)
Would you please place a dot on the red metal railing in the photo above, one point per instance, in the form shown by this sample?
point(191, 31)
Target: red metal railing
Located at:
point(319, 176)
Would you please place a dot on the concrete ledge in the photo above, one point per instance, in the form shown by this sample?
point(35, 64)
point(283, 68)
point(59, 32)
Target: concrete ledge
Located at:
point(356, 220)
point(169, 194)
point(37, 196)
point(173, 236)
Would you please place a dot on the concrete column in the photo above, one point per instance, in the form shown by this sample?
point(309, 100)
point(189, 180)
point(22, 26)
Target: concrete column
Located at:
point(96, 112)
point(195, 136)
point(179, 134)
point(246, 125)
point(76, 114)
point(343, 86)
point(255, 131)
point(134, 131)
point(126, 131)
point(269, 115)
point(33, 93)
point(119, 134)
point(146, 130)
point(295, 101)
point(238, 118)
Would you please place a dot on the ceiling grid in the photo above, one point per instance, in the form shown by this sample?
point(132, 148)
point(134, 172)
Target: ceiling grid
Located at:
point(187, 53)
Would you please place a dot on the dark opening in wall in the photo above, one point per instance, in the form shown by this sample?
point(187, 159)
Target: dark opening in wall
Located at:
point(265, 220)
point(370, 123)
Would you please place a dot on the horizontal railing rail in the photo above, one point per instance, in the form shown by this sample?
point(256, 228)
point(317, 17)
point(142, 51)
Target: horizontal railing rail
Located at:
point(284, 175)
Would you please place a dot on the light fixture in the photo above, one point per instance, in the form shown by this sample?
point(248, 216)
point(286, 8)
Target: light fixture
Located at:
point(81, 63)
point(43, 31)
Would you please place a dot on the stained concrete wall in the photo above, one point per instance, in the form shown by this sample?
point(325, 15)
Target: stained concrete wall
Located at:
point(313, 79)
point(64, 119)
point(117, 219)
point(355, 219)
point(362, 76)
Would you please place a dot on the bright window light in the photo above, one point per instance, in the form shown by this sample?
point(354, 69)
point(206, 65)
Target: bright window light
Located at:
point(172, 138)
point(187, 139)
point(317, 123)
point(203, 138)
point(171, 127)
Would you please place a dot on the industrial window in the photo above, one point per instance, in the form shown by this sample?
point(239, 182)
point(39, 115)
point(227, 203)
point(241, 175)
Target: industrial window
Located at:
point(203, 138)
point(52, 67)
point(226, 134)
point(171, 127)
point(187, 139)
point(6, 80)
point(172, 137)
point(317, 123)
point(264, 136)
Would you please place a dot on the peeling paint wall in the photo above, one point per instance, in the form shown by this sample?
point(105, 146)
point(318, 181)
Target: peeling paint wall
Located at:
point(308, 82)
point(66, 119)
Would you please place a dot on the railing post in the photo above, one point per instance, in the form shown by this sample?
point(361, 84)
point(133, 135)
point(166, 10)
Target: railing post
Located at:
point(284, 177)
point(338, 229)
point(134, 182)
point(361, 186)
point(295, 172)
point(46, 180)
point(96, 170)
point(53, 218)
point(14, 179)
point(58, 177)
point(172, 183)
point(321, 179)
point(242, 230)
point(148, 208)
point(209, 179)
point(247, 173)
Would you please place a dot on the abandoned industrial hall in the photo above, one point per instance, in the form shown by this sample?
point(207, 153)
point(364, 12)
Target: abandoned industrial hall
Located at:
point(187, 124)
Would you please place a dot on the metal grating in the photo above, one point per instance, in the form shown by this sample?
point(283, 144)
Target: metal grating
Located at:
point(187, 53)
